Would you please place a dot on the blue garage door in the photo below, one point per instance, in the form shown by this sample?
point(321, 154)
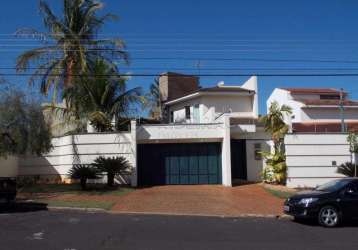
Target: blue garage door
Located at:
point(179, 164)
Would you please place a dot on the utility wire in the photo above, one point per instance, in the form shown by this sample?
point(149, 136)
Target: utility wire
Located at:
point(197, 75)
point(206, 69)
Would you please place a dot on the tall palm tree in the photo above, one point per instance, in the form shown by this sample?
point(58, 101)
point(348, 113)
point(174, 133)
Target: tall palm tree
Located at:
point(274, 121)
point(153, 100)
point(100, 99)
point(70, 44)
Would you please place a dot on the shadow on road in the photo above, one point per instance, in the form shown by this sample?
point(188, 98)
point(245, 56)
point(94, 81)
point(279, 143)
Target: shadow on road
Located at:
point(22, 207)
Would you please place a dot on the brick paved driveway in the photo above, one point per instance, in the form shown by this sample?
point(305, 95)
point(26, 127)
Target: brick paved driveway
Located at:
point(201, 200)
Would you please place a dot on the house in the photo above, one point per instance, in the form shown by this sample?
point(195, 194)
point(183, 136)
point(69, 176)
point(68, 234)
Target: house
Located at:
point(316, 146)
point(317, 109)
point(209, 105)
point(209, 135)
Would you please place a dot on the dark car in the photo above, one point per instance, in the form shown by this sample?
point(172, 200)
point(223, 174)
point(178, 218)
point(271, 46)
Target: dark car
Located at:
point(330, 203)
point(7, 189)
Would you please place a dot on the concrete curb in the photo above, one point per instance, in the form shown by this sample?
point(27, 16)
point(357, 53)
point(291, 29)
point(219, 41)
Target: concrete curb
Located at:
point(101, 210)
point(80, 209)
point(272, 216)
point(285, 217)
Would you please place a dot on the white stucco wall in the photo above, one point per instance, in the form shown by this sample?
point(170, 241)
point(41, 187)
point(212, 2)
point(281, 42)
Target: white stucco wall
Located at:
point(212, 107)
point(283, 97)
point(254, 166)
point(177, 132)
point(310, 158)
point(9, 166)
point(302, 114)
point(77, 149)
point(328, 114)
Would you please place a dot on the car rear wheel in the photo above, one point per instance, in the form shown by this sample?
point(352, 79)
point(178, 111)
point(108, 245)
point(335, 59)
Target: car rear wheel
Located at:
point(329, 216)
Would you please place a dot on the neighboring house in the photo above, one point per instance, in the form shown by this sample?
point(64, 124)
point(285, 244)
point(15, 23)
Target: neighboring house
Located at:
point(316, 147)
point(317, 109)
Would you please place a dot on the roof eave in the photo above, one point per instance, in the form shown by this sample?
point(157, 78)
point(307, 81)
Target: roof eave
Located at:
point(205, 93)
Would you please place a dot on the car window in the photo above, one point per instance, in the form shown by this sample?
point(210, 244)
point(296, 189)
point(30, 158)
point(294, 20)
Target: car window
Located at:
point(334, 185)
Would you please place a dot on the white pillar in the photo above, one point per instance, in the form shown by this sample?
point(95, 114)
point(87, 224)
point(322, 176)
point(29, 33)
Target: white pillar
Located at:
point(226, 153)
point(134, 177)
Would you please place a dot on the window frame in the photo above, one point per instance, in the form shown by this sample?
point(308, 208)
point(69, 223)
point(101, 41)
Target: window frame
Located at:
point(187, 112)
point(171, 117)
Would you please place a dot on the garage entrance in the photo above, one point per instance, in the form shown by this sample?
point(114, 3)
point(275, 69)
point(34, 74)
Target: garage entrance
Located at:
point(179, 164)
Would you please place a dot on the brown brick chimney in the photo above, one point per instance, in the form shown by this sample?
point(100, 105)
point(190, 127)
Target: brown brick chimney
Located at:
point(174, 85)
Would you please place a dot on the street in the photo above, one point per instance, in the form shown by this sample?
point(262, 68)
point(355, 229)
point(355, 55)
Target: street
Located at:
point(67, 230)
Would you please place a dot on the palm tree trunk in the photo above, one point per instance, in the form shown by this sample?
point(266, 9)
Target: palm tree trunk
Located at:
point(110, 179)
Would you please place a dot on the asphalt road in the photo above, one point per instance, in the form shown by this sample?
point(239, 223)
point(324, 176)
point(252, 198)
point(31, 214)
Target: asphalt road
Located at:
point(86, 231)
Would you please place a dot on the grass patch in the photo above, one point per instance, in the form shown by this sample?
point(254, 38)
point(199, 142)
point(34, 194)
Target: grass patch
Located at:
point(94, 189)
point(279, 194)
point(107, 205)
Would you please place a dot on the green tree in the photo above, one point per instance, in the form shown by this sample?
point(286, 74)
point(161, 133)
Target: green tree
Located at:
point(112, 166)
point(352, 139)
point(274, 123)
point(100, 99)
point(70, 44)
point(22, 125)
point(153, 101)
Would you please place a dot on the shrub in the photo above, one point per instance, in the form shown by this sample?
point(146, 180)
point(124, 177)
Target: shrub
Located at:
point(83, 172)
point(347, 169)
point(276, 169)
point(112, 167)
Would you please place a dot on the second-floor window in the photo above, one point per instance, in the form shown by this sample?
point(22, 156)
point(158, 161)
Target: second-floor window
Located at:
point(171, 117)
point(187, 112)
point(329, 97)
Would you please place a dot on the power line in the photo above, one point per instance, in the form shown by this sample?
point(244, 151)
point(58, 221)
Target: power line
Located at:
point(205, 69)
point(243, 59)
point(197, 75)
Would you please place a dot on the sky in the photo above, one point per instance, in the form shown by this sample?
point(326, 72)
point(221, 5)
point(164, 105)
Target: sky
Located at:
point(227, 37)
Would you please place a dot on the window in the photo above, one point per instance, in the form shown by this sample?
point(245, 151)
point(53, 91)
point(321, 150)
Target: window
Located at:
point(187, 112)
point(171, 117)
point(257, 148)
point(329, 97)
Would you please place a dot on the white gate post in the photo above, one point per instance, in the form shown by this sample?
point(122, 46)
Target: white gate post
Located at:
point(226, 153)
point(134, 177)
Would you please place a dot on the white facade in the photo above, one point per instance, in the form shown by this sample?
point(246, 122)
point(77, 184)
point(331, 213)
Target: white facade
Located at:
point(9, 167)
point(210, 106)
point(76, 149)
point(310, 107)
point(212, 114)
point(312, 159)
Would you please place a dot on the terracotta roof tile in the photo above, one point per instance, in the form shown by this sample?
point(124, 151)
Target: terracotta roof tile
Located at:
point(332, 102)
point(322, 91)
